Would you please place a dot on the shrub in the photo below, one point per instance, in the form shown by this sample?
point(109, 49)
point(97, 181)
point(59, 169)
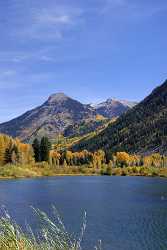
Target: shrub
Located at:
point(109, 170)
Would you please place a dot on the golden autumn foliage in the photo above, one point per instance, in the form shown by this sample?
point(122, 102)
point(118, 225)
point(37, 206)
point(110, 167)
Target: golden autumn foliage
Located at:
point(98, 159)
point(123, 158)
point(14, 151)
point(21, 155)
point(100, 117)
point(55, 157)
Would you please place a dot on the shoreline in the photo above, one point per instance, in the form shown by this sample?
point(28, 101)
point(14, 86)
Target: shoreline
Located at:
point(10, 172)
point(2, 178)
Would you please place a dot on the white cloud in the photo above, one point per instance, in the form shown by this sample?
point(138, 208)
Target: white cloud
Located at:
point(49, 23)
point(50, 18)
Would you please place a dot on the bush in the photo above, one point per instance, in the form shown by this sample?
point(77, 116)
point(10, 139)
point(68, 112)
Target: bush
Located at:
point(109, 170)
point(15, 171)
point(123, 173)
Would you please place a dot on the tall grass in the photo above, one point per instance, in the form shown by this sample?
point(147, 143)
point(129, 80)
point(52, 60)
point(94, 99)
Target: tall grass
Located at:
point(52, 234)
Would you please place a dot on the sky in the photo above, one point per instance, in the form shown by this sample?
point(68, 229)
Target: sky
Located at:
point(89, 49)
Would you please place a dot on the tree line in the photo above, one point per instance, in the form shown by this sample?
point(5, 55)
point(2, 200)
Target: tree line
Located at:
point(99, 159)
point(13, 151)
point(44, 152)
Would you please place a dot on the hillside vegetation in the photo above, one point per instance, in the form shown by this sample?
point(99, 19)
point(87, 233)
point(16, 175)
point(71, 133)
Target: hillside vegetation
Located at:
point(18, 160)
point(142, 129)
point(134, 144)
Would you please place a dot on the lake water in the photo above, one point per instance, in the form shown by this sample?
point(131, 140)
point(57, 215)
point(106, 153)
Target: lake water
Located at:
point(126, 213)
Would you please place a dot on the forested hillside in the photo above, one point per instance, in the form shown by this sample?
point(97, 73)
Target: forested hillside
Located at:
point(142, 129)
point(85, 127)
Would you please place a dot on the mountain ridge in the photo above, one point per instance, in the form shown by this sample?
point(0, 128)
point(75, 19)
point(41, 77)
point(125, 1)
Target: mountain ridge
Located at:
point(142, 129)
point(55, 115)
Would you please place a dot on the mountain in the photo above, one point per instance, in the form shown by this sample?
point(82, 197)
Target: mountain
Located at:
point(58, 114)
point(113, 108)
point(142, 129)
point(51, 118)
point(85, 127)
point(129, 104)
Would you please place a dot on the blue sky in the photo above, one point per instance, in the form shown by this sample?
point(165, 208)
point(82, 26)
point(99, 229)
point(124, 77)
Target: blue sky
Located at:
point(89, 49)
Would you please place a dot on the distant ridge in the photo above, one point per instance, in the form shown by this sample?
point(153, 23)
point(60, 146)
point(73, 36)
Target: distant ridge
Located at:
point(113, 107)
point(56, 115)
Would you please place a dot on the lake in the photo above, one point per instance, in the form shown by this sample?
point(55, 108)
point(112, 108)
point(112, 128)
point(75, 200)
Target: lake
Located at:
point(126, 213)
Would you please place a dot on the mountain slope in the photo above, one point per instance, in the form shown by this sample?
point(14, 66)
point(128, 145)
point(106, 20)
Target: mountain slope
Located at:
point(85, 127)
point(142, 129)
point(59, 114)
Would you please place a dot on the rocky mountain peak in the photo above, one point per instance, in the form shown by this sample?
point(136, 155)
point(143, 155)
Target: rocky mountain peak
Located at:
point(58, 97)
point(55, 115)
point(112, 100)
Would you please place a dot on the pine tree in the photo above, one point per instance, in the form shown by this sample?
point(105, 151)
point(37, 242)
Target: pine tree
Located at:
point(8, 153)
point(45, 147)
point(15, 155)
point(36, 148)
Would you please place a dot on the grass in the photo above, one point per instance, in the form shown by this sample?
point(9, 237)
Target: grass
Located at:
point(52, 234)
point(13, 171)
point(140, 171)
point(44, 169)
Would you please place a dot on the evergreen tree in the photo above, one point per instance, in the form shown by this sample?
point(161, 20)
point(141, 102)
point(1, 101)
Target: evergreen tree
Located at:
point(15, 155)
point(8, 153)
point(36, 149)
point(45, 147)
